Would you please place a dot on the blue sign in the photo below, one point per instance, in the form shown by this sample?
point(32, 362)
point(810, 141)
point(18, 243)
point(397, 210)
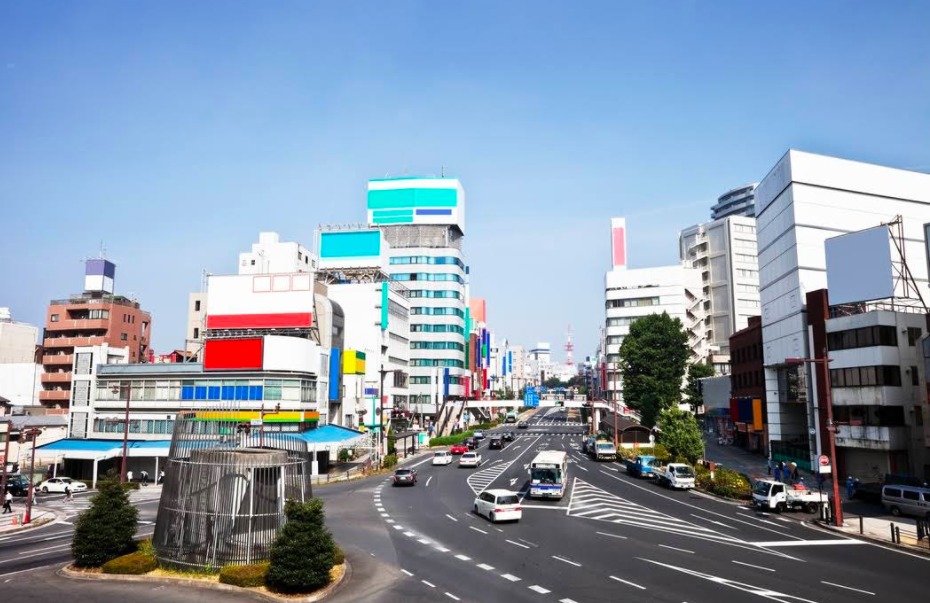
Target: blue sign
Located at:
point(531, 397)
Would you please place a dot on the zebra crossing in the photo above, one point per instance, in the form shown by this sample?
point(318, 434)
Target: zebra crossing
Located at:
point(481, 479)
point(558, 424)
point(591, 502)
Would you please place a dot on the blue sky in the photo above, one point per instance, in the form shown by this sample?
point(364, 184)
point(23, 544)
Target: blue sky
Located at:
point(173, 132)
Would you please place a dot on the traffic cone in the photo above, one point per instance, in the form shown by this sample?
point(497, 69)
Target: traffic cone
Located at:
point(15, 519)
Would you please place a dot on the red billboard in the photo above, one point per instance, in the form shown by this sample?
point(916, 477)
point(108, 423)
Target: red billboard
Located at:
point(233, 354)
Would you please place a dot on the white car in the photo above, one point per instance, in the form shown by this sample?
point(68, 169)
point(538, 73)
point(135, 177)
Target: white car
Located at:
point(57, 484)
point(499, 505)
point(470, 459)
point(442, 457)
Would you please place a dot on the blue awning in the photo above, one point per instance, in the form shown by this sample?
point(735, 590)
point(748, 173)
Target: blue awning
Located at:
point(330, 434)
point(73, 448)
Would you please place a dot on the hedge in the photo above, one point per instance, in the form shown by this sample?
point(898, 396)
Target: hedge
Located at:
point(245, 576)
point(659, 451)
point(339, 557)
point(451, 439)
point(390, 460)
point(726, 482)
point(133, 563)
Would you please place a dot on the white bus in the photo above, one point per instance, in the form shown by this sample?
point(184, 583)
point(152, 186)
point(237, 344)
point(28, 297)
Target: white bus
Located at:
point(549, 474)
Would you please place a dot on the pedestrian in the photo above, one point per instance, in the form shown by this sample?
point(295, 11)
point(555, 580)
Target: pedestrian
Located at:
point(850, 487)
point(69, 497)
point(161, 477)
point(777, 472)
point(8, 502)
point(768, 464)
point(145, 477)
point(794, 471)
point(819, 480)
point(129, 477)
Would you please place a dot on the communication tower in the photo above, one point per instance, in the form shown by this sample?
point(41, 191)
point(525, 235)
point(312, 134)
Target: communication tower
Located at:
point(569, 348)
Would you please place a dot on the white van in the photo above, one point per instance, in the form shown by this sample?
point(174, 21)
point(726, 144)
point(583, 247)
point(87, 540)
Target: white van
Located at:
point(907, 500)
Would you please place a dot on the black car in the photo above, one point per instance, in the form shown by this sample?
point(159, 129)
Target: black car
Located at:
point(522, 425)
point(472, 443)
point(18, 485)
point(495, 443)
point(405, 477)
point(508, 436)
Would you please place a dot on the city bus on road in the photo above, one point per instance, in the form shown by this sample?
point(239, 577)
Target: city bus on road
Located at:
point(549, 474)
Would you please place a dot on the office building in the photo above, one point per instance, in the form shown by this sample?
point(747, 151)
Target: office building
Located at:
point(20, 361)
point(737, 202)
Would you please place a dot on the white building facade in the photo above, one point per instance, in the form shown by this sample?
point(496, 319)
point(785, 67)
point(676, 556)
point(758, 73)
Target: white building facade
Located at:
point(804, 200)
point(20, 374)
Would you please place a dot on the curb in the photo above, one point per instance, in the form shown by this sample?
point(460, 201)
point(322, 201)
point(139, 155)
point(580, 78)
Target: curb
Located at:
point(904, 548)
point(38, 523)
point(326, 591)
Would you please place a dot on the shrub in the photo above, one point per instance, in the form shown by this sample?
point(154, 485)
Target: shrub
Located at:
point(146, 547)
point(133, 563)
point(343, 455)
point(303, 553)
point(106, 529)
point(245, 576)
point(390, 460)
point(450, 439)
point(339, 557)
point(726, 482)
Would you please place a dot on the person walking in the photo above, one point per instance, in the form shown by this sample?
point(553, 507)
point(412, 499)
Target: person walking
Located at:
point(129, 477)
point(161, 477)
point(8, 503)
point(777, 472)
point(145, 477)
point(768, 464)
point(69, 495)
point(794, 471)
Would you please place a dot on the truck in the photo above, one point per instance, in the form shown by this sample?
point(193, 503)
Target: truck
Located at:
point(676, 475)
point(603, 450)
point(641, 466)
point(778, 496)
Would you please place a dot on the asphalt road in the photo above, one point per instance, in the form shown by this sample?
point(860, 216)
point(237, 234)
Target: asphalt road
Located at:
point(612, 537)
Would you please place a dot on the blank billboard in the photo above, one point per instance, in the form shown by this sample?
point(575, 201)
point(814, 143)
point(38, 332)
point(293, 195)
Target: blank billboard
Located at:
point(859, 266)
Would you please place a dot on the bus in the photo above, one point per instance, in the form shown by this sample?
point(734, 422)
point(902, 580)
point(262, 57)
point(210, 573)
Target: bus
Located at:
point(549, 474)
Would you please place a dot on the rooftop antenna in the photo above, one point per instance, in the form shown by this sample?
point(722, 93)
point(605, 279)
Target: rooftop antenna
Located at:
point(103, 251)
point(442, 171)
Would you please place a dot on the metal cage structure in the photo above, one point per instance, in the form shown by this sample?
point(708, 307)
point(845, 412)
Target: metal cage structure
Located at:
point(224, 489)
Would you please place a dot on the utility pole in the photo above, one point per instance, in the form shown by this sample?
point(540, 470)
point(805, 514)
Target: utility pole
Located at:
point(6, 456)
point(32, 434)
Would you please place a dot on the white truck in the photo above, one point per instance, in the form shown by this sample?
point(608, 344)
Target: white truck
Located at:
point(676, 475)
point(603, 450)
point(777, 496)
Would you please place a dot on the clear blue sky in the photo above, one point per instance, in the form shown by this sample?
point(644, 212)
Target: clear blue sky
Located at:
point(174, 132)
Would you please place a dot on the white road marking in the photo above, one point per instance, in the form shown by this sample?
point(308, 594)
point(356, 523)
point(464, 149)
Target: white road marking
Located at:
point(539, 589)
point(406, 572)
point(759, 520)
point(477, 529)
point(613, 469)
point(714, 522)
point(451, 596)
point(452, 518)
point(442, 549)
point(423, 541)
point(768, 569)
point(428, 480)
point(776, 543)
point(426, 460)
point(513, 481)
point(760, 591)
point(858, 590)
point(528, 542)
point(510, 577)
point(675, 548)
point(486, 567)
point(429, 584)
point(398, 527)
point(552, 507)
point(611, 535)
point(567, 601)
point(628, 582)
point(463, 557)
point(411, 534)
point(566, 561)
point(385, 515)
point(511, 542)
point(581, 467)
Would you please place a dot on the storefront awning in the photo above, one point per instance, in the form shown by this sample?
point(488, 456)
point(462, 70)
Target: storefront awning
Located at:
point(89, 450)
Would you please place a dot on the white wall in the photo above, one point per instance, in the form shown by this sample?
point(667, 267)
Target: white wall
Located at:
point(21, 382)
point(17, 342)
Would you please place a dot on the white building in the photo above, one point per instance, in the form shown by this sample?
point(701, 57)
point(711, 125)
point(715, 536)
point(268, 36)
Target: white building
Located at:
point(724, 251)
point(271, 255)
point(634, 293)
point(804, 200)
point(82, 419)
point(736, 202)
point(423, 221)
point(20, 374)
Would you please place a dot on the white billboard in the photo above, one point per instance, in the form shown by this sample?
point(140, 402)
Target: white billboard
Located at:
point(259, 300)
point(859, 266)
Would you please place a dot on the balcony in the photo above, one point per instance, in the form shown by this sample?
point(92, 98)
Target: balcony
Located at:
point(872, 437)
point(70, 342)
point(56, 377)
point(58, 359)
point(80, 324)
point(62, 395)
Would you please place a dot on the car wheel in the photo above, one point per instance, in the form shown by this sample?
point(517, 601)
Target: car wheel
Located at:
point(476, 510)
point(45, 489)
point(780, 507)
point(896, 511)
point(491, 517)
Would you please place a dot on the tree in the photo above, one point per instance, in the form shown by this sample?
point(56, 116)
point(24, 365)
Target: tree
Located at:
point(106, 530)
point(680, 433)
point(303, 552)
point(652, 364)
point(693, 388)
point(553, 382)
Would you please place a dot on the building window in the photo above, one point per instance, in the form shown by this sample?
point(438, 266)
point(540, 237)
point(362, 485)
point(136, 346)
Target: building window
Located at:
point(636, 302)
point(197, 306)
point(864, 376)
point(300, 256)
point(913, 335)
point(196, 333)
point(53, 318)
point(864, 337)
point(124, 337)
point(253, 262)
point(914, 376)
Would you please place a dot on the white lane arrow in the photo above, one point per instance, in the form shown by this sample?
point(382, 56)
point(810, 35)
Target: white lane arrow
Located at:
point(513, 481)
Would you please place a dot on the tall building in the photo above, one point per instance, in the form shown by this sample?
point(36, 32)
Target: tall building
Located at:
point(724, 251)
point(423, 221)
point(20, 371)
point(634, 293)
point(737, 202)
point(803, 201)
point(94, 317)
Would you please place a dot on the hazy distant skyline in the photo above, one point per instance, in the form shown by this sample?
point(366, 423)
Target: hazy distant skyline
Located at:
point(175, 132)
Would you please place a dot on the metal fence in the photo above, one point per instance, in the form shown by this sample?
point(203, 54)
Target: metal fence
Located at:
point(224, 490)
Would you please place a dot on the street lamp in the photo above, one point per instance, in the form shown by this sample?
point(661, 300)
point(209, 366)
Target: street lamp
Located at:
point(383, 372)
point(831, 429)
point(32, 434)
point(115, 389)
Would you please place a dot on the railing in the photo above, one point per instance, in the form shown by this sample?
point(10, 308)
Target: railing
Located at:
point(76, 324)
point(56, 377)
point(55, 395)
point(70, 342)
point(67, 359)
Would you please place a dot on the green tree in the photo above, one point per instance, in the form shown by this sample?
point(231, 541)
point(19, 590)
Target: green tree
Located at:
point(680, 433)
point(693, 389)
point(652, 363)
point(106, 530)
point(554, 382)
point(303, 552)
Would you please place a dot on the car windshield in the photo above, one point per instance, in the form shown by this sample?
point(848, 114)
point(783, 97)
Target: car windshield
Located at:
point(605, 445)
point(508, 499)
point(402, 472)
point(468, 455)
point(762, 488)
point(684, 471)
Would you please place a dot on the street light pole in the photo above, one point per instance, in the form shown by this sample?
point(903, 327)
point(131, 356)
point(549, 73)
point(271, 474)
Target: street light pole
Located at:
point(115, 389)
point(30, 494)
point(6, 456)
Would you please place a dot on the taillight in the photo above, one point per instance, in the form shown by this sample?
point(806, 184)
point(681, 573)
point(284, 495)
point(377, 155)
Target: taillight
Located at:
point(518, 509)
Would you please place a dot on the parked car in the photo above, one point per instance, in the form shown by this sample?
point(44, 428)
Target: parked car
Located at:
point(522, 425)
point(496, 443)
point(470, 459)
point(906, 500)
point(458, 449)
point(478, 434)
point(508, 436)
point(471, 443)
point(18, 485)
point(58, 484)
point(499, 505)
point(442, 457)
point(405, 477)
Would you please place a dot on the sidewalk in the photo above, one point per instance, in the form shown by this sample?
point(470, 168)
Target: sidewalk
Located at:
point(41, 515)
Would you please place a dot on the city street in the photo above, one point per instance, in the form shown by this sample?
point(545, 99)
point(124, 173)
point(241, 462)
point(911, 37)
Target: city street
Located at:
point(610, 537)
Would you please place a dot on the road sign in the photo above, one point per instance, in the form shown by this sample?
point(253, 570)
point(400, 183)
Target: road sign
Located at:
point(823, 463)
